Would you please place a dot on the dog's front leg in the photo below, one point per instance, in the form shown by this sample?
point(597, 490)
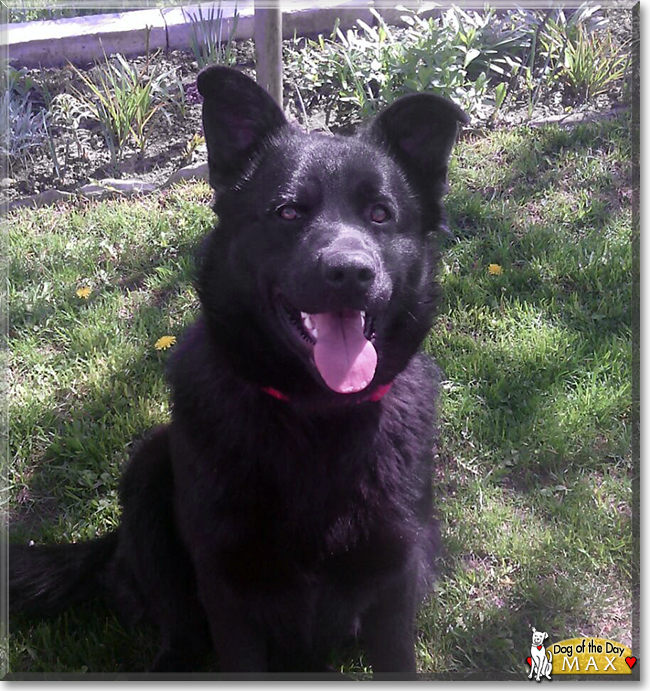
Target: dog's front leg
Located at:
point(388, 629)
point(238, 642)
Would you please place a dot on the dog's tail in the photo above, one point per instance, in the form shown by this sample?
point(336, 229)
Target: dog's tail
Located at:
point(47, 579)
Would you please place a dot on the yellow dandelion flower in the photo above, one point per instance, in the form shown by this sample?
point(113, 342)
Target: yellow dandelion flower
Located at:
point(165, 342)
point(83, 292)
point(495, 269)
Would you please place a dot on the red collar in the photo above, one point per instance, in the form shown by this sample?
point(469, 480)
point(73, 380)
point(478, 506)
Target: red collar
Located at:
point(377, 394)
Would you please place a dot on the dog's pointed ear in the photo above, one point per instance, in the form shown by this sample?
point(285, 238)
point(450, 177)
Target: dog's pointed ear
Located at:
point(419, 131)
point(238, 117)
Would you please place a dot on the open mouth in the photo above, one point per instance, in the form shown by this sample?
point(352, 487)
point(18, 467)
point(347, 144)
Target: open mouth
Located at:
point(342, 343)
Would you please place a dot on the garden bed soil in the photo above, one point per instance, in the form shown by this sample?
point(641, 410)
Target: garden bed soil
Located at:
point(172, 131)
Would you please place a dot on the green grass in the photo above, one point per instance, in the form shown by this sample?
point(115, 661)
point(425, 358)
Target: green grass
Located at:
point(33, 10)
point(534, 474)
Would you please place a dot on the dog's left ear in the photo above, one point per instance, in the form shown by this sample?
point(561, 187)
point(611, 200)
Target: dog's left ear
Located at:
point(419, 131)
point(545, 635)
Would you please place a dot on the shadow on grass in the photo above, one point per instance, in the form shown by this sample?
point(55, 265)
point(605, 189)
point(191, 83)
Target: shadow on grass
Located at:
point(528, 163)
point(86, 638)
point(86, 433)
point(491, 635)
point(84, 461)
point(513, 388)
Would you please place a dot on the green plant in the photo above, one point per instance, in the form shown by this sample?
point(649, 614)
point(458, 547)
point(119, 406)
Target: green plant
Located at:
point(557, 30)
point(207, 39)
point(33, 10)
point(446, 57)
point(360, 60)
point(324, 72)
point(23, 129)
point(192, 145)
point(124, 98)
point(575, 50)
point(59, 169)
point(175, 93)
point(65, 113)
point(455, 55)
point(500, 93)
point(18, 80)
point(566, 48)
point(488, 46)
point(592, 64)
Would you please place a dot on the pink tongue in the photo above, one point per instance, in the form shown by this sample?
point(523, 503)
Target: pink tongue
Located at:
point(344, 357)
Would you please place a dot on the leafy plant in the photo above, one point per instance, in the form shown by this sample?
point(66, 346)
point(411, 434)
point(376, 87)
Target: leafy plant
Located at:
point(575, 50)
point(500, 93)
point(557, 30)
point(192, 145)
point(592, 64)
point(455, 55)
point(570, 49)
point(207, 39)
point(124, 98)
point(489, 46)
point(447, 56)
point(65, 113)
point(23, 129)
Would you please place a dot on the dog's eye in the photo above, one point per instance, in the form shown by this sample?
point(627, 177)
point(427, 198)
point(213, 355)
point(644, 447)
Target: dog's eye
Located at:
point(379, 214)
point(288, 213)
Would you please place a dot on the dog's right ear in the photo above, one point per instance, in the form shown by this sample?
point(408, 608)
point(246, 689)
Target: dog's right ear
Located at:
point(238, 117)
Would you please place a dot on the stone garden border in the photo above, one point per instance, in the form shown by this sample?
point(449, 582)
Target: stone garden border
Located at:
point(80, 40)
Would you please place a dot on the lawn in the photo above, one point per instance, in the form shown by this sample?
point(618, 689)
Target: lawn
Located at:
point(534, 476)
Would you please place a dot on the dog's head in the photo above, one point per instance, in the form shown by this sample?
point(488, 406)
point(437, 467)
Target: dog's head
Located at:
point(320, 274)
point(539, 636)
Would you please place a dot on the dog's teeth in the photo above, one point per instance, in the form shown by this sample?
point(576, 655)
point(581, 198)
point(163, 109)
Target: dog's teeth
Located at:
point(306, 320)
point(308, 325)
point(363, 319)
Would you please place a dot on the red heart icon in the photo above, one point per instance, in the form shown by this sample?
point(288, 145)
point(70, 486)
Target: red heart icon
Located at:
point(529, 660)
point(631, 661)
point(539, 647)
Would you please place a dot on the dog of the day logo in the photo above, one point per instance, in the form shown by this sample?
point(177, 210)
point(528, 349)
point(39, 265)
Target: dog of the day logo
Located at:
point(540, 660)
point(577, 656)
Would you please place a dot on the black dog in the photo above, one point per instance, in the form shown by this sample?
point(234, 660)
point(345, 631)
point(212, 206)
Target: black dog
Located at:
point(288, 504)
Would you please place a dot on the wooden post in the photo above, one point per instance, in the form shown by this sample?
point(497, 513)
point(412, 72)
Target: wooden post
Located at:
point(267, 35)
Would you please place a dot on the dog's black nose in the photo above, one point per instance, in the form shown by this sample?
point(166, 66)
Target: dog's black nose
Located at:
point(352, 270)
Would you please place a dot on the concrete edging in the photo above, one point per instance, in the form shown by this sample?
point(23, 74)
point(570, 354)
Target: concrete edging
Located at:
point(81, 40)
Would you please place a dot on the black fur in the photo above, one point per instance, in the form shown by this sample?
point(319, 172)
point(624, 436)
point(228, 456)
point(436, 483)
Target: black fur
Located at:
point(275, 516)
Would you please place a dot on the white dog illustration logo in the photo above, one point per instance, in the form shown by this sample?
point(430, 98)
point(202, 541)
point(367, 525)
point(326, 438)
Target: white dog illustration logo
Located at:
point(540, 665)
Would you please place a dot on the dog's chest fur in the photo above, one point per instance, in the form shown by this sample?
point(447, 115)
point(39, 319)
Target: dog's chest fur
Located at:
point(290, 495)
